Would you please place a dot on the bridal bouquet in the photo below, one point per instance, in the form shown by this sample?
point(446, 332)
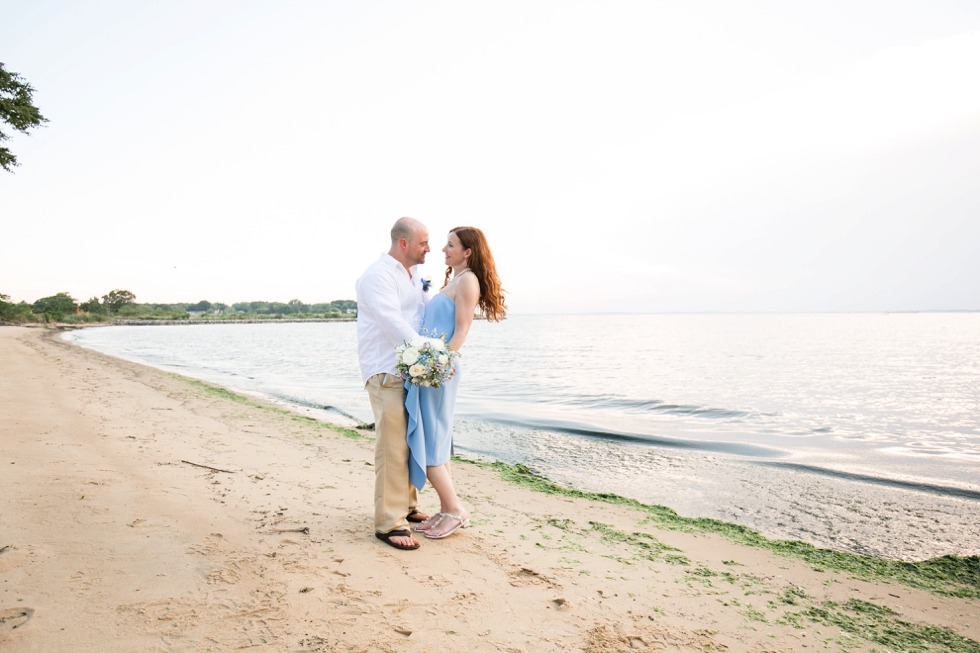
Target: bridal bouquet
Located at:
point(425, 361)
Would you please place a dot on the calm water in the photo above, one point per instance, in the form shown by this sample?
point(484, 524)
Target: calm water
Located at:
point(703, 413)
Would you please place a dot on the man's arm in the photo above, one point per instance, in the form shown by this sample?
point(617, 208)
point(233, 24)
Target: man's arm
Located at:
point(381, 294)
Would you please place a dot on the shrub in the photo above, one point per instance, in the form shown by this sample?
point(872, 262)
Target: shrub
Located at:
point(20, 312)
point(93, 306)
point(55, 306)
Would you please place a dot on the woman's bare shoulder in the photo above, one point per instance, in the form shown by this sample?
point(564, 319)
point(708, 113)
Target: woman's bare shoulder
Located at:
point(469, 281)
point(467, 289)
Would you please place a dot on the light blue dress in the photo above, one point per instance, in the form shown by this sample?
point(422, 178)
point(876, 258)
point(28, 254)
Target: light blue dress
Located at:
point(430, 410)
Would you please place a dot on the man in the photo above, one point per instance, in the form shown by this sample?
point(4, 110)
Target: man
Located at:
point(390, 308)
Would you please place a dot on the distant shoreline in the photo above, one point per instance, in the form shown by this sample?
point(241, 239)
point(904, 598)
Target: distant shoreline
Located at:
point(189, 322)
point(271, 320)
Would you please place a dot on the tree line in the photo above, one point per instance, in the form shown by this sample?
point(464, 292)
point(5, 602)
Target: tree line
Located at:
point(62, 307)
point(295, 307)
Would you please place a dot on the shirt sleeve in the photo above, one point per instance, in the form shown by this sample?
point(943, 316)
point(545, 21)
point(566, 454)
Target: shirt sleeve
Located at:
point(381, 294)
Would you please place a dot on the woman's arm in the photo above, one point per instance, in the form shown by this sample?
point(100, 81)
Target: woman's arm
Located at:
point(467, 297)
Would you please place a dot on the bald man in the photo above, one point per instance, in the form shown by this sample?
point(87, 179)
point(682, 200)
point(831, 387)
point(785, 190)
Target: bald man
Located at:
point(390, 307)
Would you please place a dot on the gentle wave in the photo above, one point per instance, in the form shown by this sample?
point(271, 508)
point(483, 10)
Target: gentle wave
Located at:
point(652, 405)
point(932, 488)
point(572, 428)
point(288, 399)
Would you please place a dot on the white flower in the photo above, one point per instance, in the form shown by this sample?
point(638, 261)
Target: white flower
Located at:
point(443, 359)
point(437, 344)
point(416, 370)
point(426, 384)
point(410, 356)
point(418, 341)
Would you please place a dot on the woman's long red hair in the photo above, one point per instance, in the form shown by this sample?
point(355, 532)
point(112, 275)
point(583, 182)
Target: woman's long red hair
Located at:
point(481, 262)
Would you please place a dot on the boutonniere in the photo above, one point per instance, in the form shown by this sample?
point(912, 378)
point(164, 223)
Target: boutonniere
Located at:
point(426, 283)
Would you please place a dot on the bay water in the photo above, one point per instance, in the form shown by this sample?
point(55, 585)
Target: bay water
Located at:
point(860, 432)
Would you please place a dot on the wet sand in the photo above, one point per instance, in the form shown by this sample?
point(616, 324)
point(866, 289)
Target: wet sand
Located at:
point(110, 542)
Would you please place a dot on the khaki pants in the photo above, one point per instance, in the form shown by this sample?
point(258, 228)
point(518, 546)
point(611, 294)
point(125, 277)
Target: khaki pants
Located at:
point(394, 494)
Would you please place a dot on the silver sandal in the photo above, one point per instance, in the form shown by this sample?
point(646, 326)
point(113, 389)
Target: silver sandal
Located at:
point(463, 523)
point(431, 521)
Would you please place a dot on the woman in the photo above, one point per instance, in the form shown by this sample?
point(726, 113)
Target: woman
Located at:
point(473, 283)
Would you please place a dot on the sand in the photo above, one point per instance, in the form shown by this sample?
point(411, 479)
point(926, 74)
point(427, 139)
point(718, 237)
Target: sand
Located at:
point(110, 542)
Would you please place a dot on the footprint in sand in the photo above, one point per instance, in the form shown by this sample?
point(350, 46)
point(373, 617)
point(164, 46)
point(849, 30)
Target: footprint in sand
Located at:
point(13, 619)
point(525, 576)
point(81, 581)
point(208, 546)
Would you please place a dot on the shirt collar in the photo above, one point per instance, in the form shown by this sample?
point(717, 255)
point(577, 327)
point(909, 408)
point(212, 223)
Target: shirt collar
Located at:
point(395, 264)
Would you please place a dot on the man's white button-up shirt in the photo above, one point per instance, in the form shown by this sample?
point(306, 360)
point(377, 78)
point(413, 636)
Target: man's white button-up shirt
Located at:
point(390, 308)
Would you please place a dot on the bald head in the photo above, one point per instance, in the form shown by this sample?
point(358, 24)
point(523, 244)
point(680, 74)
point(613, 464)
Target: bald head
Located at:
point(407, 228)
point(409, 242)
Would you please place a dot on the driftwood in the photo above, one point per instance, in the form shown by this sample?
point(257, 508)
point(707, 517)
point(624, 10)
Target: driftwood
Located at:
point(213, 469)
point(3, 549)
point(305, 530)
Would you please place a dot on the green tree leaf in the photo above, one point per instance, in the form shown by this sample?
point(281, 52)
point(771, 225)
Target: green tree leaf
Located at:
point(17, 110)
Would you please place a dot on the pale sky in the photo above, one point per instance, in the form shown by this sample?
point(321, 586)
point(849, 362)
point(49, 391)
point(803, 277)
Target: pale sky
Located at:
point(650, 156)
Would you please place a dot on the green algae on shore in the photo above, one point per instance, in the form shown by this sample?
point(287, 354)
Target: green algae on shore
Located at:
point(952, 576)
point(881, 625)
point(649, 547)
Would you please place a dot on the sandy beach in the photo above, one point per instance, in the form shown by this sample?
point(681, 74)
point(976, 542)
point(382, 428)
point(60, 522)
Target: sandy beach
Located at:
point(143, 511)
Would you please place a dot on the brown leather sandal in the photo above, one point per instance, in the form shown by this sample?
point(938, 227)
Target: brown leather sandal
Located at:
point(416, 517)
point(386, 538)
